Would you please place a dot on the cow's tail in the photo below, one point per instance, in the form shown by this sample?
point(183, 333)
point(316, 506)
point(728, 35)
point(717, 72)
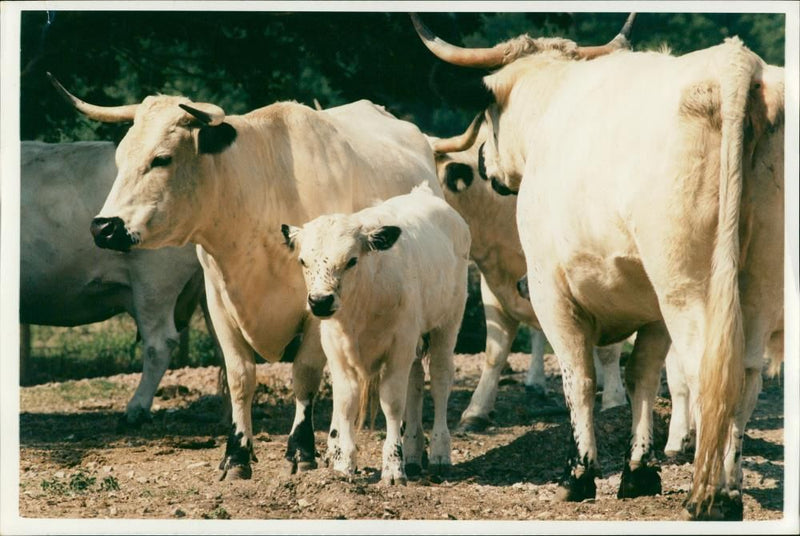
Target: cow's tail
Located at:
point(722, 365)
point(368, 399)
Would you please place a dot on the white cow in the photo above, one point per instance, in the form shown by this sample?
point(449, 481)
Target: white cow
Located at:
point(190, 174)
point(650, 200)
point(381, 279)
point(66, 281)
point(498, 254)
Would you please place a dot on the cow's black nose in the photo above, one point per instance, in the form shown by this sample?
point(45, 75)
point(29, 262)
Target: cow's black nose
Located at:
point(110, 233)
point(321, 305)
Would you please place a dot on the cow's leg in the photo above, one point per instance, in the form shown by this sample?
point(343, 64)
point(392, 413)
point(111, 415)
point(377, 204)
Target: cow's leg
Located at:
point(341, 455)
point(222, 379)
point(535, 379)
point(159, 339)
point(643, 378)
point(306, 377)
point(443, 341)
point(681, 425)
point(569, 334)
point(241, 374)
point(500, 332)
point(393, 387)
point(413, 434)
point(613, 390)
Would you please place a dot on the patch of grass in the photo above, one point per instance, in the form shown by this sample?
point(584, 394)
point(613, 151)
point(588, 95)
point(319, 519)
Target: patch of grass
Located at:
point(54, 486)
point(80, 482)
point(218, 513)
point(109, 483)
point(103, 349)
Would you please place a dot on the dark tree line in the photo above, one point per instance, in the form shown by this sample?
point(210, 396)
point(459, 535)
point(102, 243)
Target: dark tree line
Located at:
point(244, 60)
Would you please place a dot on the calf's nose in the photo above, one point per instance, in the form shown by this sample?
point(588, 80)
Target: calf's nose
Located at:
point(321, 305)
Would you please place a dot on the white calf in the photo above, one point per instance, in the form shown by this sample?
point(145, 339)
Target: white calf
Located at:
point(381, 279)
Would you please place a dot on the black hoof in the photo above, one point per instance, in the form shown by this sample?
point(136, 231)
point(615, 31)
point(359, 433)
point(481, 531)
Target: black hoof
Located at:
point(577, 489)
point(413, 470)
point(235, 472)
point(724, 508)
point(639, 482)
point(473, 424)
point(133, 420)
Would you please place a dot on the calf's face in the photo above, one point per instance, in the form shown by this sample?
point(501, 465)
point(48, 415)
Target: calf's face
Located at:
point(329, 249)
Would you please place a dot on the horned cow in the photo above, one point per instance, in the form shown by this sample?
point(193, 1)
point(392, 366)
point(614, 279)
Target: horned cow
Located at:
point(497, 252)
point(650, 200)
point(189, 173)
point(380, 280)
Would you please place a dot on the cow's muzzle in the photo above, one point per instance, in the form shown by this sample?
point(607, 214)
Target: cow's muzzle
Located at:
point(322, 306)
point(110, 233)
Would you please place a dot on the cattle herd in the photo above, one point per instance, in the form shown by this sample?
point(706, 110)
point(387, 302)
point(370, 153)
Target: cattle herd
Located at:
point(603, 194)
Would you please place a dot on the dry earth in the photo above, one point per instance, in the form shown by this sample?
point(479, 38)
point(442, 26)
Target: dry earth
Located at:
point(74, 463)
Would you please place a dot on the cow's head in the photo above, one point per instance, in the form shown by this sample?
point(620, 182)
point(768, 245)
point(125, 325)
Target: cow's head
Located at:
point(160, 162)
point(329, 249)
point(501, 153)
point(462, 158)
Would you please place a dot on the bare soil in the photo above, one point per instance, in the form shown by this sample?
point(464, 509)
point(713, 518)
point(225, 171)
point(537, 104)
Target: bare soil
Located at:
point(74, 463)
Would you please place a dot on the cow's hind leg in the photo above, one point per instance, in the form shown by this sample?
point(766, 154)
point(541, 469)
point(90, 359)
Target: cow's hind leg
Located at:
point(535, 378)
point(613, 390)
point(306, 377)
point(568, 333)
point(643, 378)
point(443, 341)
point(500, 332)
point(413, 434)
point(681, 424)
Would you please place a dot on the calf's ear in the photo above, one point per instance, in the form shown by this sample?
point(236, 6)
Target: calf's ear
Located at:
point(289, 233)
point(382, 238)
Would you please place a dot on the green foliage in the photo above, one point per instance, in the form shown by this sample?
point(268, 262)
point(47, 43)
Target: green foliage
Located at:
point(109, 483)
point(218, 513)
point(80, 482)
point(244, 60)
point(54, 486)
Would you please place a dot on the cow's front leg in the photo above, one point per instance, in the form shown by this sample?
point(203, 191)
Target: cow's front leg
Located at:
point(393, 387)
point(342, 452)
point(643, 378)
point(241, 373)
point(306, 376)
point(500, 332)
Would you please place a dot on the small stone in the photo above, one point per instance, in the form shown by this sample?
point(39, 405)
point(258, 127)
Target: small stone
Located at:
point(59, 474)
point(179, 513)
point(107, 469)
point(303, 503)
point(112, 511)
point(130, 474)
point(195, 465)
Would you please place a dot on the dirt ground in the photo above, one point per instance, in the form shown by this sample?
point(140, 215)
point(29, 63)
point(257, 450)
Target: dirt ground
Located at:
point(74, 463)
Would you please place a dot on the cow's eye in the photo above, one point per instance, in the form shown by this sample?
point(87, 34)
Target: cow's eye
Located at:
point(352, 262)
point(302, 263)
point(161, 161)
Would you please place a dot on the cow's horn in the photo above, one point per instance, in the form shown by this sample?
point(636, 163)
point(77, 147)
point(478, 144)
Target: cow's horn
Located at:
point(462, 142)
point(620, 41)
point(210, 114)
point(107, 114)
point(484, 58)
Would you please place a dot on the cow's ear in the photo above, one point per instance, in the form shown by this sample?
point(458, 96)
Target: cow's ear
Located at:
point(289, 234)
point(213, 140)
point(382, 238)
